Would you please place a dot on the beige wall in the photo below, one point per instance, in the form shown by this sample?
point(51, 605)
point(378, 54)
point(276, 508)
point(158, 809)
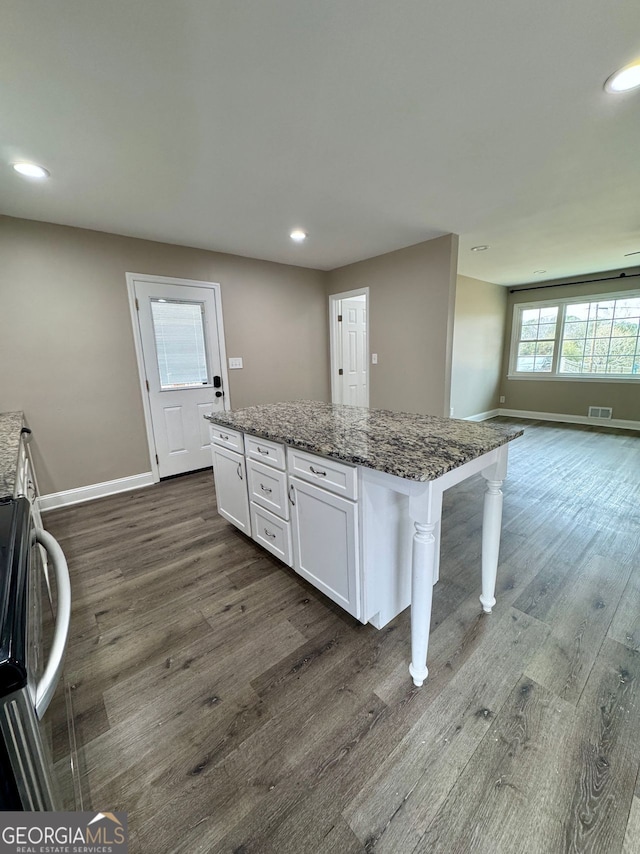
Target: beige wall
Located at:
point(570, 397)
point(412, 296)
point(68, 355)
point(478, 342)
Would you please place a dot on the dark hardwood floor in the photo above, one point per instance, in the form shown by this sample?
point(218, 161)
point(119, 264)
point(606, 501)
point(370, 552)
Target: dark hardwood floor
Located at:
point(225, 705)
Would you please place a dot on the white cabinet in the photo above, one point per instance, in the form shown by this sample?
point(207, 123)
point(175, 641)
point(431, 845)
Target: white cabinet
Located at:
point(325, 543)
point(231, 487)
point(298, 506)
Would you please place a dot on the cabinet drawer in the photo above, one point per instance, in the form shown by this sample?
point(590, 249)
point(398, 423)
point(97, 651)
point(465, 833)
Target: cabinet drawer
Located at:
point(227, 438)
point(268, 488)
point(270, 453)
point(272, 533)
point(329, 474)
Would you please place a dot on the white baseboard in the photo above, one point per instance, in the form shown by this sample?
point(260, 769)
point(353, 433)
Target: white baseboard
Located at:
point(482, 416)
point(570, 419)
point(95, 490)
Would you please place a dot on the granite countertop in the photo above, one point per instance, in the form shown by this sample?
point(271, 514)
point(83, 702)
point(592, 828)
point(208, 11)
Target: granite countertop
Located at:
point(11, 424)
point(415, 447)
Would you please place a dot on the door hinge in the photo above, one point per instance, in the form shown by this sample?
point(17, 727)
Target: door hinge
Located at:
point(340, 371)
point(157, 460)
point(137, 305)
point(339, 318)
point(147, 382)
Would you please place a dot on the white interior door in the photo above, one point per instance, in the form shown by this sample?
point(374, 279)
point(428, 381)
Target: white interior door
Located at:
point(182, 350)
point(353, 346)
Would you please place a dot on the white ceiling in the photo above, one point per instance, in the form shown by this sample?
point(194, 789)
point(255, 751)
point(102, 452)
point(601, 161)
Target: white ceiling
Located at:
point(372, 124)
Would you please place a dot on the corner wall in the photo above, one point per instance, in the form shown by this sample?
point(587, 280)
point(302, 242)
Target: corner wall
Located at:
point(68, 354)
point(411, 310)
point(478, 343)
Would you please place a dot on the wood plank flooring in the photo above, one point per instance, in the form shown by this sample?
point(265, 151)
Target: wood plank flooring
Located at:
point(227, 706)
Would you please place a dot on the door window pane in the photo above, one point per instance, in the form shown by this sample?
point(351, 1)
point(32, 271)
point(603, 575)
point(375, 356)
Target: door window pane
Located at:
point(180, 343)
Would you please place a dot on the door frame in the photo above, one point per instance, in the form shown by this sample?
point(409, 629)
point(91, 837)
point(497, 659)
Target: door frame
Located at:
point(334, 339)
point(132, 278)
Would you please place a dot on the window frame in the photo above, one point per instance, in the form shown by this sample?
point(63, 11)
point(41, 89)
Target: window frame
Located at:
point(554, 374)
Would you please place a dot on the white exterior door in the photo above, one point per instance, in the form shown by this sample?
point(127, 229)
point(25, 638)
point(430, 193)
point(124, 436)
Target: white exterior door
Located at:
point(353, 349)
point(182, 349)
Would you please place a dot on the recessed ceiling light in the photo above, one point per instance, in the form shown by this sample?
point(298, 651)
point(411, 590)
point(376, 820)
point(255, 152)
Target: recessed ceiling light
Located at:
point(298, 235)
point(478, 248)
point(537, 272)
point(624, 79)
point(31, 170)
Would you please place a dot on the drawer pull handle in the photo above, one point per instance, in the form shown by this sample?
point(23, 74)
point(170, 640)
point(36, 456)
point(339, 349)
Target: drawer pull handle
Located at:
point(261, 451)
point(317, 472)
point(224, 437)
point(268, 534)
point(291, 494)
point(265, 488)
point(239, 470)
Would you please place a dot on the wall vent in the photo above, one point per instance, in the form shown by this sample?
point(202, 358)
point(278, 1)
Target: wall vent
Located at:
point(600, 412)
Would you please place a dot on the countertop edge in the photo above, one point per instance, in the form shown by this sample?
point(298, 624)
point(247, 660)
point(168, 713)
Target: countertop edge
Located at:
point(225, 419)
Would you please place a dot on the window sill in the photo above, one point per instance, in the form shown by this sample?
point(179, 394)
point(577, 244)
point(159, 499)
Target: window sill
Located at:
point(573, 378)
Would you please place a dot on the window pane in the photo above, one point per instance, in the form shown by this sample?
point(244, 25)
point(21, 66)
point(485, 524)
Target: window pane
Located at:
point(598, 365)
point(628, 307)
point(549, 314)
point(603, 328)
point(570, 365)
point(527, 348)
point(605, 309)
point(620, 365)
point(578, 312)
point(529, 331)
point(531, 315)
point(542, 363)
point(575, 329)
point(626, 327)
point(525, 363)
point(547, 330)
point(544, 348)
point(622, 346)
point(180, 343)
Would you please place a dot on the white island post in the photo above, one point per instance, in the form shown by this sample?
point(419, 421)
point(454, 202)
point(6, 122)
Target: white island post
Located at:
point(425, 507)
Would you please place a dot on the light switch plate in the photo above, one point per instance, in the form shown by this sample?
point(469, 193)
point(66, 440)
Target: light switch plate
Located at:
point(374, 358)
point(235, 362)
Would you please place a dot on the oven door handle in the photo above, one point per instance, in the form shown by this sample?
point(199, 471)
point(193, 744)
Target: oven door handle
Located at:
point(49, 682)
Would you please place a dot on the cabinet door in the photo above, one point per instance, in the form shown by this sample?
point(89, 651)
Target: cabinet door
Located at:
point(325, 543)
point(230, 475)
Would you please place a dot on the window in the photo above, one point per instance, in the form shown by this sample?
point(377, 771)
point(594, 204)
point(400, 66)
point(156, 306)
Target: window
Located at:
point(179, 334)
point(578, 339)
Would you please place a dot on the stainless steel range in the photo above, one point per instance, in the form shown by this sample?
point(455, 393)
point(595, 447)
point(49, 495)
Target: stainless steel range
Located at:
point(38, 753)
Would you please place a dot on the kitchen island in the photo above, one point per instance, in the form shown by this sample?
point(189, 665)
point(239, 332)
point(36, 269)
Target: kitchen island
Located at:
point(351, 498)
